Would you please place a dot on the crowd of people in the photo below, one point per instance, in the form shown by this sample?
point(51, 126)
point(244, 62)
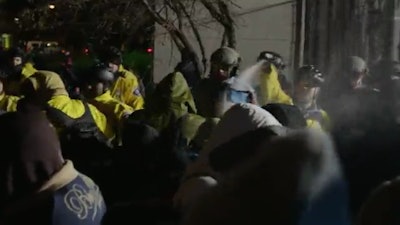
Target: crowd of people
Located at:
point(239, 146)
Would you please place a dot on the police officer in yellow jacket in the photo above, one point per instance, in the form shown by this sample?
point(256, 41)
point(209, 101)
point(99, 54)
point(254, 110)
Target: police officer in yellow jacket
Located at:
point(20, 70)
point(97, 91)
point(307, 82)
point(270, 87)
point(126, 86)
point(46, 89)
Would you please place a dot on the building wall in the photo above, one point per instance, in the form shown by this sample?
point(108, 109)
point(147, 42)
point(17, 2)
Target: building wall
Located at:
point(396, 40)
point(261, 25)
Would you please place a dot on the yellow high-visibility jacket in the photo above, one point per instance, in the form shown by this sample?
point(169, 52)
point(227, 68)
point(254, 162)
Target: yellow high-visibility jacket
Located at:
point(271, 90)
point(127, 90)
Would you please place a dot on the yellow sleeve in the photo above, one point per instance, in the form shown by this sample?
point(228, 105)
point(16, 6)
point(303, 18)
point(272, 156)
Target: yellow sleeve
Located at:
point(71, 107)
point(313, 124)
point(136, 103)
point(9, 103)
point(101, 122)
point(271, 90)
point(132, 97)
point(326, 121)
point(121, 109)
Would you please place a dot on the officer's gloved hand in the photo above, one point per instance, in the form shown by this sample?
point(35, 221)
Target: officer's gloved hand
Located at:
point(253, 98)
point(191, 189)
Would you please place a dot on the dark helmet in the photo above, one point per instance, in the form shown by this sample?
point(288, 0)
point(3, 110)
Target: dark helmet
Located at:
point(226, 56)
point(272, 57)
point(17, 52)
point(311, 75)
point(113, 55)
point(100, 74)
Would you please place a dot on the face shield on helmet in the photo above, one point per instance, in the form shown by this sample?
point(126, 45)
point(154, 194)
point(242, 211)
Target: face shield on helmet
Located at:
point(310, 76)
point(104, 76)
point(224, 63)
point(99, 81)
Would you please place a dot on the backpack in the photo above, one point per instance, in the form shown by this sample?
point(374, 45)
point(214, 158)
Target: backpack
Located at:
point(76, 130)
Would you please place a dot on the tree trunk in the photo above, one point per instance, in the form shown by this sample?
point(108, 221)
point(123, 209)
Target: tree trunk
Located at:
point(228, 23)
point(198, 39)
point(223, 16)
point(223, 40)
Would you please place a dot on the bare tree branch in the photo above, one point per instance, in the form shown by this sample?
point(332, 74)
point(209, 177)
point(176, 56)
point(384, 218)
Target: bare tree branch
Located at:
point(232, 2)
point(223, 40)
point(87, 19)
point(196, 34)
point(213, 11)
point(175, 6)
point(179, 37)
point(229, 24)
point(223, 16)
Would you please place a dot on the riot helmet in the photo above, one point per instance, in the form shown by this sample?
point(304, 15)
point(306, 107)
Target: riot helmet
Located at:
point(98, 80)
point(273, 58)
point(310, 76)
point(224, 63)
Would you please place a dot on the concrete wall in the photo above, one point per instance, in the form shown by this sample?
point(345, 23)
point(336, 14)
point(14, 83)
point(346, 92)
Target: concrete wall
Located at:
point(261, 25)
point(396, 39)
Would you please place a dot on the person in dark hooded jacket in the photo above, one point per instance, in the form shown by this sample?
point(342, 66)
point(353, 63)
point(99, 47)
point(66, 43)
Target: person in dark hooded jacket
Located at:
point(37, 185)
point(171, 100)
point(171, 103)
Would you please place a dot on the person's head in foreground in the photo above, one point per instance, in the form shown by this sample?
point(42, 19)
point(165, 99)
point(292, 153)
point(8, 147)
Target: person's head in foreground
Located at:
point(294, 179)
point(37, 185)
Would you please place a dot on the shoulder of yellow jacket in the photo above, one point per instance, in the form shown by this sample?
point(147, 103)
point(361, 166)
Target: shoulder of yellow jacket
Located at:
point(126, 73)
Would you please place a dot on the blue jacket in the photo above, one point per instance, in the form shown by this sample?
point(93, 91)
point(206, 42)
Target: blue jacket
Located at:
point(68, 198)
